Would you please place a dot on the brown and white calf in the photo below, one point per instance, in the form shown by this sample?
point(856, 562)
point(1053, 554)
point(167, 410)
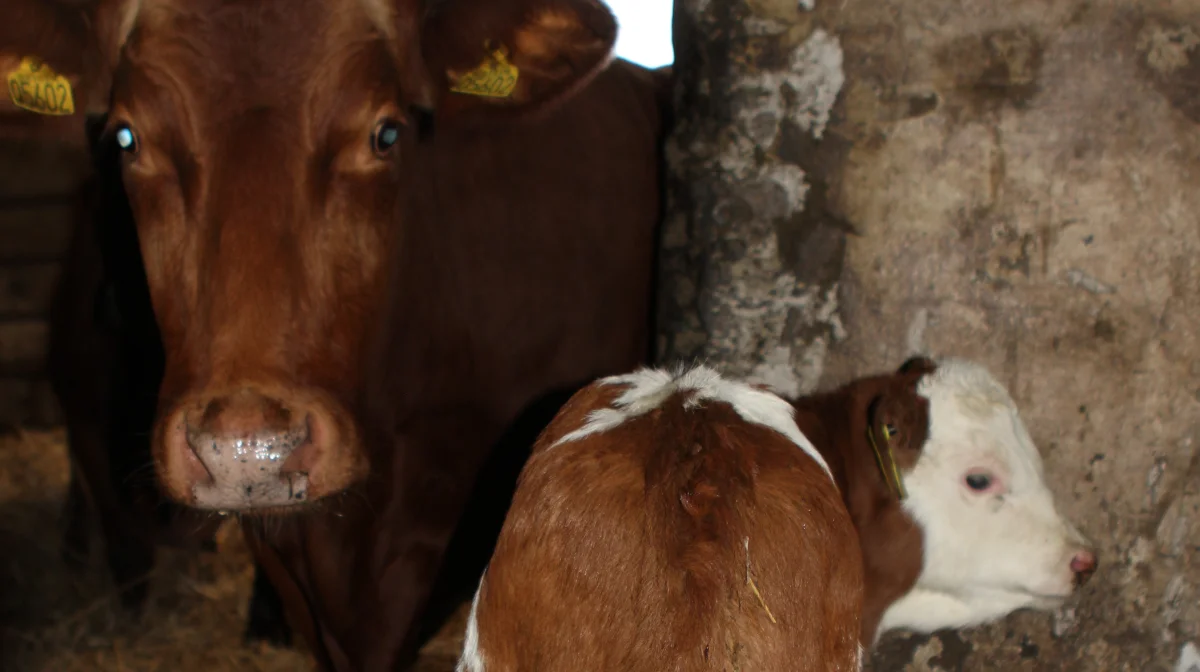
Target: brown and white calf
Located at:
point(940, 476)
point(671, 522)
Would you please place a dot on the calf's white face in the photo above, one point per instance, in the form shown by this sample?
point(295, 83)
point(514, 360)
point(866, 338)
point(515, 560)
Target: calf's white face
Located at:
point(993, 539)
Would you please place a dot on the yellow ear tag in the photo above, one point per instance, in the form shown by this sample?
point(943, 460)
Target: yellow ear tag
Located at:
point(34, 86)
point(890, 476)
point(494, 78)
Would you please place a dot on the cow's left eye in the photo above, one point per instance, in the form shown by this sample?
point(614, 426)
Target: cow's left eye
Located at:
point(126, 139)
point(385, 137)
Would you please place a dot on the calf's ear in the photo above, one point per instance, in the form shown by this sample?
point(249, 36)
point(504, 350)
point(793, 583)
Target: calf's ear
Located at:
point(56, 60)
point(899, 417)
point(516, 57)
point(918, 365)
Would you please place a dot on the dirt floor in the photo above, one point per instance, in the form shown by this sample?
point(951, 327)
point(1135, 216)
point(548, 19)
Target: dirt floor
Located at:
point(53, 619)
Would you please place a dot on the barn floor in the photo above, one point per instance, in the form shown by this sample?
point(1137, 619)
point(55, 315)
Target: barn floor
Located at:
point(53, 619)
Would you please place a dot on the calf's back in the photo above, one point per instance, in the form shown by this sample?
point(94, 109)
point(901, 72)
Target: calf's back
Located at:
point(655, 528)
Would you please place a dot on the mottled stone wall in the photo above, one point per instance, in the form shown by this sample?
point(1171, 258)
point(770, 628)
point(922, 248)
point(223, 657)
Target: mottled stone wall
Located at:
point(1014, 182)
point(751, 259)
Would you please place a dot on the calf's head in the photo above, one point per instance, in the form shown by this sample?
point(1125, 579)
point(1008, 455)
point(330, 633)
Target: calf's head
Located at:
point(265, 148)
point(969, 483)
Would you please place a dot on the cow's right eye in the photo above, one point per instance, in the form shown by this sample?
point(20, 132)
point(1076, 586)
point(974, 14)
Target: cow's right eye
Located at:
point(385, 137)
point(126, 139)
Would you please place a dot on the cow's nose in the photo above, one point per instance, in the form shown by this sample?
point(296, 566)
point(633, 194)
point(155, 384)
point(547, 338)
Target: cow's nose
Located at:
point(1083, 565)
point(246, 450)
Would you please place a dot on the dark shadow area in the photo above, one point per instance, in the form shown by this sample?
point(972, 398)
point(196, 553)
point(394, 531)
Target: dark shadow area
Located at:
point(471, 546)
point(40, 597)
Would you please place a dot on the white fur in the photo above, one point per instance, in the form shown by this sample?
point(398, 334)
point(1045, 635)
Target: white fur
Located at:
point(471, 659)
point(1189, 659)
point(648, 388)
point(985, 555)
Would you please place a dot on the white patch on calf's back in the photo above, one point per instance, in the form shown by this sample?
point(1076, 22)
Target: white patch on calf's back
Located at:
point(647, 389)
point(471, 659)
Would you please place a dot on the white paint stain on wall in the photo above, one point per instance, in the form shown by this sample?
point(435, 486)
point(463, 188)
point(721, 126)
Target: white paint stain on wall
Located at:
point(767, 298)
point(1189, 659)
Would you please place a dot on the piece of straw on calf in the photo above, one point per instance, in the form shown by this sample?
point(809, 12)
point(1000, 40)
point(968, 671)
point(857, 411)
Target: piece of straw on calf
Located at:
point(671, 523)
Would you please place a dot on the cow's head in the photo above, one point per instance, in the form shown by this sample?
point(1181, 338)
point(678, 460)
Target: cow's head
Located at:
point(264, 148)
point(973, 483)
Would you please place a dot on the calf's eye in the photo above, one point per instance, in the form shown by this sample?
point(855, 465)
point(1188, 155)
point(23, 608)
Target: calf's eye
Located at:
point(978, 482)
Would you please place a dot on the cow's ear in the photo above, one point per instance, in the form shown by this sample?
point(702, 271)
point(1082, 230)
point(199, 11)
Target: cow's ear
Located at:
point(56, 59)
point(514, 57)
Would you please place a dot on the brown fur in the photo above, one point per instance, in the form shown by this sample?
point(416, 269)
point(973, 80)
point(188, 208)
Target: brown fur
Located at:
point(416, 303)
point(836, 422)
point(624, 550)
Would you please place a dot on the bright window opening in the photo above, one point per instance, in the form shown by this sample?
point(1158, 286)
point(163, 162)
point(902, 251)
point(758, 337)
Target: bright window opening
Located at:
point(645, 31)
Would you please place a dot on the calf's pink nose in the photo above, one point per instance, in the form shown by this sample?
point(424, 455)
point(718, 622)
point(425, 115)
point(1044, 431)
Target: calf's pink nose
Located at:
point(1083, 565)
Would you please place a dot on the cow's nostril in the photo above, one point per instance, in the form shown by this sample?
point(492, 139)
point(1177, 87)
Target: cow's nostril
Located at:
point(245, 450)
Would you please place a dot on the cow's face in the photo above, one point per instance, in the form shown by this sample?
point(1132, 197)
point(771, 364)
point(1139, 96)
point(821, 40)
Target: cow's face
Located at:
point(264, 148)
point(993, 539)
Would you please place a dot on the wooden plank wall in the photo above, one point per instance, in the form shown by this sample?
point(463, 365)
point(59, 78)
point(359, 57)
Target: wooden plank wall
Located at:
point(37, 180)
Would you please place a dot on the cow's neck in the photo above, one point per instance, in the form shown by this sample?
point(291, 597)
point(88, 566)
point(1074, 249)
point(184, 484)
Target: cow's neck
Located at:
point(836, 423)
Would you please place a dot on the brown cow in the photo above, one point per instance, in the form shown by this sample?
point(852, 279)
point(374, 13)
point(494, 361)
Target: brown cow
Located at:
point(942, 481)
point(373, 232)
point(671, 522)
